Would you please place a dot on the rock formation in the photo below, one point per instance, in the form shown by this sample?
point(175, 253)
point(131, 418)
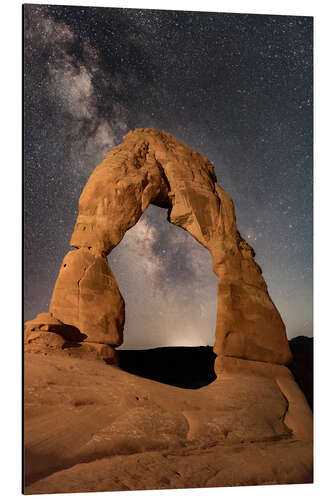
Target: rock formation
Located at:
point(153, 167)
point(46, 330)
point(86, 295)
point(112, 430)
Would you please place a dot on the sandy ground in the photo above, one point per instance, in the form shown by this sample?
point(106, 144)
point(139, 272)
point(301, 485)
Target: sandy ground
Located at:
point(90, 426)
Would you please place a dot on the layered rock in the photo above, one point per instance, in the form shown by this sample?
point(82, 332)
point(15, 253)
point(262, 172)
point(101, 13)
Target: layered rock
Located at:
point(153, 167)
point(46, 324)
point(46, 334)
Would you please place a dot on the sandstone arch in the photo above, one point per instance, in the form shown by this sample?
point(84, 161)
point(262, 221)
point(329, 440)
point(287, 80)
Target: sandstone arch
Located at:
point(153, 167)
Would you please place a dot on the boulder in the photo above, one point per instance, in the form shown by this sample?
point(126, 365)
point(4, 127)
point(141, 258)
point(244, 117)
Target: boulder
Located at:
point(46, 323)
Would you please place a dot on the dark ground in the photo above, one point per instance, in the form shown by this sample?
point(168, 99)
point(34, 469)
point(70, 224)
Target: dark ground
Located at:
point(186, 367)
point(193, 367)
point(302, 365)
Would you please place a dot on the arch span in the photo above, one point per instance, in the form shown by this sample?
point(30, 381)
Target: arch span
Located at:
point(153, 167)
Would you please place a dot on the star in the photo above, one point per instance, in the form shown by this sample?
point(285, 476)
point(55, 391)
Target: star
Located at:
point(234, 87)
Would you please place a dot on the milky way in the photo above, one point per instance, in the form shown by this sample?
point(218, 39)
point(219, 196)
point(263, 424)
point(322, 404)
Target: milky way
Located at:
point(237, 88)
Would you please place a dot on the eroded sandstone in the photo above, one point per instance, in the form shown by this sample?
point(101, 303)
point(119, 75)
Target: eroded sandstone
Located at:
point(153, 167)
point(86, 295)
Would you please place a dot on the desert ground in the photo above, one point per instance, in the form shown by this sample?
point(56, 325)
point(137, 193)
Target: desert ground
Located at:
point(90, 426)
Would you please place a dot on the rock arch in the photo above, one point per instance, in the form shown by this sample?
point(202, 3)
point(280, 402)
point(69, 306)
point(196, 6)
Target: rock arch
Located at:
point(153, 167)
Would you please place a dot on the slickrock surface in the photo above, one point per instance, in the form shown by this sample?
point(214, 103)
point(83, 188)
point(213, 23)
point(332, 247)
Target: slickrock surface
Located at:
point(153, 167)
point(90, 426)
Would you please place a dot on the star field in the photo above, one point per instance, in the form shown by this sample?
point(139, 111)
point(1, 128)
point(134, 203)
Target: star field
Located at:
point(235, 87)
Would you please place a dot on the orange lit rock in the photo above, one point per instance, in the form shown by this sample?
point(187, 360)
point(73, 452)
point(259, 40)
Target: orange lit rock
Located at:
point(87, 296)
point(153, 167)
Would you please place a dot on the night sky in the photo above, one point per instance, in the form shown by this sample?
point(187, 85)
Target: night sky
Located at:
point(234, 87)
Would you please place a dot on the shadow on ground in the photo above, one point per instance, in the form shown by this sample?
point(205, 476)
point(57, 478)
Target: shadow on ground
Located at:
point(302, 365)
point(185, 367)
point(193, 367)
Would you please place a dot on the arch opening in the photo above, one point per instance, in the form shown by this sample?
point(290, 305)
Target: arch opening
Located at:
point(165, 277)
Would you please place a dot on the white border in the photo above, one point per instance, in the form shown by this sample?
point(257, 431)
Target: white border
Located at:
point(11, 243)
